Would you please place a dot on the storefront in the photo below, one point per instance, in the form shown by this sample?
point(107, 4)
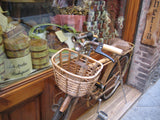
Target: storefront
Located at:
point(34, 30)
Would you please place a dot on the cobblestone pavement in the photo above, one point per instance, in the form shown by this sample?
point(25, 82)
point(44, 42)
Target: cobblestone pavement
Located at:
point(148, 105)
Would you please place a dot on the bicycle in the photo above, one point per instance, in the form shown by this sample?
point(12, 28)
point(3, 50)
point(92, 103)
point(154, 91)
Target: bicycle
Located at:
point(82, 77)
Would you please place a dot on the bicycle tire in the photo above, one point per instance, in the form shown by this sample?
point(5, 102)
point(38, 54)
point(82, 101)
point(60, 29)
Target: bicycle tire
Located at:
point(123, 61)
point(58, 114)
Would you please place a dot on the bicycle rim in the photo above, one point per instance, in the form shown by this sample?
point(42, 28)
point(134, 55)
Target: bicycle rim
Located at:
point(123, 63)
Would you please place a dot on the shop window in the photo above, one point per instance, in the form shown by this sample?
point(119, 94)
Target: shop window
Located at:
point(31, 31)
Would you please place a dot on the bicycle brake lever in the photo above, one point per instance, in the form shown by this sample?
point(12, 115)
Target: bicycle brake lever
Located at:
point(98, 50)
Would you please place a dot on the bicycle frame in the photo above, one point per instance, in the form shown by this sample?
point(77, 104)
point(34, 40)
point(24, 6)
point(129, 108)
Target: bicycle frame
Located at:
point(108, 66)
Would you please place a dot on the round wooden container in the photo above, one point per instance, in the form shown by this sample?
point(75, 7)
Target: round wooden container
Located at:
point(41, 66)
point(39, 54)
point(17, 53)
point(38, 45)
point(18, 43)
point(40, 61)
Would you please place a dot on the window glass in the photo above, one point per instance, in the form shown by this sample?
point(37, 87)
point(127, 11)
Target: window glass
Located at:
point(31, 31)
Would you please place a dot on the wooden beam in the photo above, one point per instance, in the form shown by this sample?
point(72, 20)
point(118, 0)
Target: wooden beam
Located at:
point(131, 19)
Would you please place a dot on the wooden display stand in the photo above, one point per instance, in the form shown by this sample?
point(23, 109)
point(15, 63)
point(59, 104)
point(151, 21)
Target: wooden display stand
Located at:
point(32, 98)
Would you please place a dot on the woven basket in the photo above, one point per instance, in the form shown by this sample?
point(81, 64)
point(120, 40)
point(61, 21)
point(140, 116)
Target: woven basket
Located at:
point(75, 73)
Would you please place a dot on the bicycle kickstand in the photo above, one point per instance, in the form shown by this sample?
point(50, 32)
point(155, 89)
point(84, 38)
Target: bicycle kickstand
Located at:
point(121, 82)
point(124, 94)
point(101, 115)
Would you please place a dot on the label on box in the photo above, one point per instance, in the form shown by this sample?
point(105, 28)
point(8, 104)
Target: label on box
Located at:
point(61, 36)
point(18, 67)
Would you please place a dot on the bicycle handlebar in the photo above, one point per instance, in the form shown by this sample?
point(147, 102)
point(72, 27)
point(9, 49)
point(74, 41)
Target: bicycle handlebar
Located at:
point(112, 49)
point(106, 47)
point(88, 35)
point(91, 41)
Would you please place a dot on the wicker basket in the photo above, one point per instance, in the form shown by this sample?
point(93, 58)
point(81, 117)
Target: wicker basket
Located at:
point(75, 73)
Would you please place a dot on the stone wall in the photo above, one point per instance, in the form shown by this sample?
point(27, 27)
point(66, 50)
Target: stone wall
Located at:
point(145, 58)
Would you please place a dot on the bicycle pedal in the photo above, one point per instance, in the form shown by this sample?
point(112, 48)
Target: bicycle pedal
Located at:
point(99, 85)
point(102, 115)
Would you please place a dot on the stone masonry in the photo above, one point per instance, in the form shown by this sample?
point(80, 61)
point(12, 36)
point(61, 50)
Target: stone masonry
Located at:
point(145, 58)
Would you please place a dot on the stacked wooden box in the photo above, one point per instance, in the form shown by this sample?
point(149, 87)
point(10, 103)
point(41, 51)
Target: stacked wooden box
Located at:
point(17, 47)
point(19, 61)
point(39, 53)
